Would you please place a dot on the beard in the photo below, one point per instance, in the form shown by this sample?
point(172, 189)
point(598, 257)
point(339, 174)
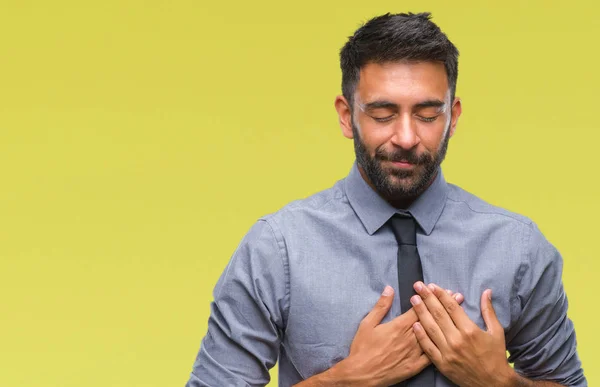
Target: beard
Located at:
point(396, 185)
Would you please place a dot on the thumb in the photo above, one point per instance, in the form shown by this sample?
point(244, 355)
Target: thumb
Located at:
point(381, 308)
point(489, 314)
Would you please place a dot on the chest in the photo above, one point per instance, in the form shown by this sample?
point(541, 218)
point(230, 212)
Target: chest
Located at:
point(335, 281)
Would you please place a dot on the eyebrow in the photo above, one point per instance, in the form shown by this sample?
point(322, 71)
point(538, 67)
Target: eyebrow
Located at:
point(382, 104)
point(379, 105)
point(430, 103)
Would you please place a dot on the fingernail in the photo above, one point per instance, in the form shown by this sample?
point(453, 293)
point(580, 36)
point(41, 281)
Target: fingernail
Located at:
point(418, 286)
point(490, 294)
point(417, 326)
point(431, 287)
point(415, 300)
point(388, 291)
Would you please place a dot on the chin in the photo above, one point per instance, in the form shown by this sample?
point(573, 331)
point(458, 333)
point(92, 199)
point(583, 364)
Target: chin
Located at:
point(404, 179)
point(402, 184)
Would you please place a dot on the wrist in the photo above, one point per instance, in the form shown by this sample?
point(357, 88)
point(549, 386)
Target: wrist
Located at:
point(337, 375)
point(509, 378)
point(341, 373)
point(345, 374)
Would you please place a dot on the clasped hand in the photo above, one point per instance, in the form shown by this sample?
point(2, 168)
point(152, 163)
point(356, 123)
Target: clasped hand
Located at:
point(464, 353)
point(436, 330)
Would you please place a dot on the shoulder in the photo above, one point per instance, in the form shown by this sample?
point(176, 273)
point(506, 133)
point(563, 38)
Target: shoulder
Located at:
point(532, 242)
point(317, 205)
point(267, 236)
point(472, 205)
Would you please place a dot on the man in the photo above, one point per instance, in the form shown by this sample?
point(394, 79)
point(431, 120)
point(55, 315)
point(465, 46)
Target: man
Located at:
point(302, 284)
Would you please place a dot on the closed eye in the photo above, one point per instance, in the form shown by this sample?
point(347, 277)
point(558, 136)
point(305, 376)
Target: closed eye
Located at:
point(383, 119)
point(427, 119)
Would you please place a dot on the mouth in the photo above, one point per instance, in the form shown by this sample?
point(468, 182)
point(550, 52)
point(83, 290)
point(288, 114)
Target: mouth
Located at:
point(403, 164)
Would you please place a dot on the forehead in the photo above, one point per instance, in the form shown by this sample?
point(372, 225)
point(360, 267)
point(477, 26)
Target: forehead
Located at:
point(402, 82)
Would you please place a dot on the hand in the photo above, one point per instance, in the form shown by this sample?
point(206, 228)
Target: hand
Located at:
point(384, 354)
point(459, 349)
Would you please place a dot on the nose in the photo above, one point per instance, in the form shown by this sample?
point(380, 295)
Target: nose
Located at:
point(405, 133)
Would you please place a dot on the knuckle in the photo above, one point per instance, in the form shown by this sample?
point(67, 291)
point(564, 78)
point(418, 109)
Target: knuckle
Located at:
point(437, 314)
point(451, 306)
point(432, 332)
point(469, 332)
point(455, 345)
point(451, 359)
point(383, 303)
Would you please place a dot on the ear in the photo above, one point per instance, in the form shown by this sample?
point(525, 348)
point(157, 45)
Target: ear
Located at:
point(456, 111)
point(345, 115)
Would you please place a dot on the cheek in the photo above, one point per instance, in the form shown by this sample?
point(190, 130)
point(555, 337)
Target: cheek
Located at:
point(431, 137)
point(373, 134)
point(373, 141)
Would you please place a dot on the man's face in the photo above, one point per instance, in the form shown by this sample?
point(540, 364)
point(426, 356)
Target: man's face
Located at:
point(401, 121)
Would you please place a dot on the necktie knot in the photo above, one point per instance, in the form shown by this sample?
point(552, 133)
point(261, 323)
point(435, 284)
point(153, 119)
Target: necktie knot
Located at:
point(404, 228)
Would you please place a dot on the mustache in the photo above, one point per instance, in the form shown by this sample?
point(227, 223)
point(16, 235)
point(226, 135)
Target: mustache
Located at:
point(402, 155)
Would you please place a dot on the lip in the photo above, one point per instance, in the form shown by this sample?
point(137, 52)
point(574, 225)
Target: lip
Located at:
point(403, 165)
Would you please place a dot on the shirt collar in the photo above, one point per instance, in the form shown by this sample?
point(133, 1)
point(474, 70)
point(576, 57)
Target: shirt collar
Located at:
point(373, 211)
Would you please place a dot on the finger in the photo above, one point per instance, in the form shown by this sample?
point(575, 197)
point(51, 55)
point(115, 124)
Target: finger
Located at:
point(436, 308)
point(489, 314)
point(380, 309)
point(451, 305)
point(419, 365)
point(405, 320)
point(458, 297)
point(422, 362)
point(429, 348)
point(428, 323)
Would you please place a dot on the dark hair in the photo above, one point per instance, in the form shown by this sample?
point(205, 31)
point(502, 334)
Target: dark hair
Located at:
point(396, 37)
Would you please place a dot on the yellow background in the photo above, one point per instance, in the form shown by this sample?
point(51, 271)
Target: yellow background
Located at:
point(139, 140)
